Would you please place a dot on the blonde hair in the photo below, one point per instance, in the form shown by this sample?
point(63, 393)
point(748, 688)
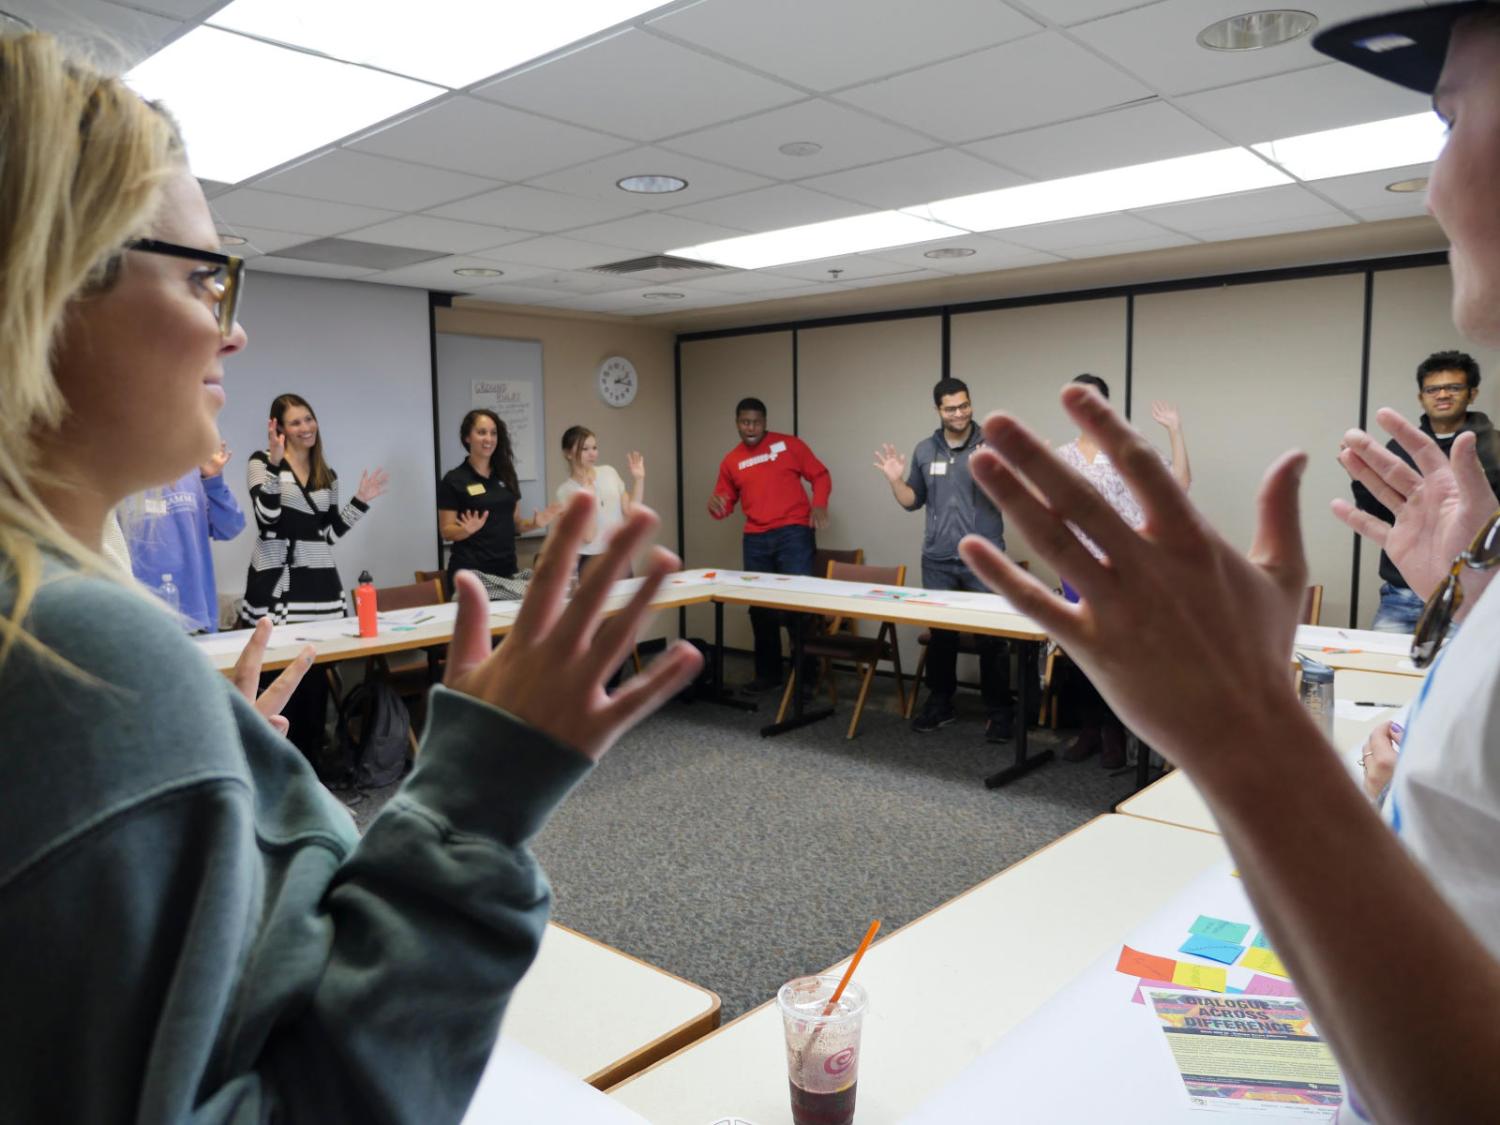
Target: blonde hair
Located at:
point(82, 164)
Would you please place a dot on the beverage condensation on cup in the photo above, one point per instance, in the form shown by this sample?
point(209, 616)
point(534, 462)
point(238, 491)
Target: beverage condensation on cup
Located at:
point(822, 1048)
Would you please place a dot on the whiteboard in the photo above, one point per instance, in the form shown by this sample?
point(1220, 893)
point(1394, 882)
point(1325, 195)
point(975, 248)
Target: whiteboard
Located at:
point(506, 376)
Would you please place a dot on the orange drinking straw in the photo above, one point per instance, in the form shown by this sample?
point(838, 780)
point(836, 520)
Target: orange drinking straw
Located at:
point(853, 964)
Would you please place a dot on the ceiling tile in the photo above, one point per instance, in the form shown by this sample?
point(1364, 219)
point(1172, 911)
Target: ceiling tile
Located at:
point(1158, 42)
point(354, 177)
point(834, 43)
point(577, 282)
point(848, 138)
point(638, 85)
point(259, 239)
point(270, 264)
point(174, 9)
point(1058, 238)
point(517, 295)
point(1269, 205)
point(294, 213)
point(653, 233)
point(928, 176)
point(1277, 226)
point(1307, 101)
point(598, 178)
point(438, 274)
point(108, 33)
point(427, 233)
point(851, 267)
point(1367, 190)
point(1066, 13)
point(558, 253)
point(1038, 80)
point(529, 208)
point(1163, 241)
point(468, 135)
point(772, 208)
point(1135, 135)
point(743, 282)
point(1411, 209)
point(989, 254)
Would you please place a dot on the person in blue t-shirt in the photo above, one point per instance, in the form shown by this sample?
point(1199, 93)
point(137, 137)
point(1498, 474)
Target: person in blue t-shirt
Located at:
point(167, 532)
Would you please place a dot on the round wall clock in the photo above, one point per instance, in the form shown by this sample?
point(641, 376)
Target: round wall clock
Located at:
point(618, 381)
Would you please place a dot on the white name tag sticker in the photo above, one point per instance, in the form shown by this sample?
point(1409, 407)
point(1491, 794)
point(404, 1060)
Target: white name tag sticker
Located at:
point(156, 507)
point(939, 468)
point(778, 447)
point(476, 490)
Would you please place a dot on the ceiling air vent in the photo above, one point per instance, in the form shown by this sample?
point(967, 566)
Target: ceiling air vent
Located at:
point(659, 267)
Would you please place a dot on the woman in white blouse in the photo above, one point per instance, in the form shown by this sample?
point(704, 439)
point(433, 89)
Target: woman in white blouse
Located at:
point(613, 501)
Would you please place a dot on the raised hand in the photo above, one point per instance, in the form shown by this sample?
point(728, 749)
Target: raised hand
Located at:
point(215, 464)
point(1438, 507)
point(470, 522)
point(1166, 414)
point(246, 675)
point(891, 463)
point(371, 485)
point(1141, 632)
point(636, 464)
point(275, 442)
point(552, 668)
point(542, 517)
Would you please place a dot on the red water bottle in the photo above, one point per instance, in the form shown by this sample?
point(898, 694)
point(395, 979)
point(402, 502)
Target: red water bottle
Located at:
point(364, 604)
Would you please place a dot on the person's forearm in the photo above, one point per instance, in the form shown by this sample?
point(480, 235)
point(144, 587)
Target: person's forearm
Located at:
point(904, 494)
point(1181, 470)
point(1343, 905)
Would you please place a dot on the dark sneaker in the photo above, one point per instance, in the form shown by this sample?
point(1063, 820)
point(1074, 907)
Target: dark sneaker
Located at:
point(937, 713)
point(759, 686)
point(1000, 728)
point(1113, 755)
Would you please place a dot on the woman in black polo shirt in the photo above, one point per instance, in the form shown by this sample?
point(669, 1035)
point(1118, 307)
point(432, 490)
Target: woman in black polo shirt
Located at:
point(477, 507)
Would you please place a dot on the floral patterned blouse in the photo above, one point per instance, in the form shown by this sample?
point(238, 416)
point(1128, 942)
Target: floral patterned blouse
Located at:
point(1102, 474)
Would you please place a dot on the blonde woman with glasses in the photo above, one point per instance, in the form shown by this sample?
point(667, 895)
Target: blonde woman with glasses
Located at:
point(189, 926)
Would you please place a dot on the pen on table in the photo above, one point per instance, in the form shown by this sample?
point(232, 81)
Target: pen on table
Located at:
point(1372, 703)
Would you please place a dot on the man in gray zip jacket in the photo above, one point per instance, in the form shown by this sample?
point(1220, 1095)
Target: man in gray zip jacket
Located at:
point(940, 482)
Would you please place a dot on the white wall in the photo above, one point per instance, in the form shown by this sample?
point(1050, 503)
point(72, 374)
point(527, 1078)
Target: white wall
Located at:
point(360, 354)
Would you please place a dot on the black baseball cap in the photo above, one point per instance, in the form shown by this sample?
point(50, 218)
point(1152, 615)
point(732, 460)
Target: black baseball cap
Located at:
point(1407, 47)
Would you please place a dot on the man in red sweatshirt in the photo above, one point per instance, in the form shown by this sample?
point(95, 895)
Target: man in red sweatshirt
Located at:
point(764, 474)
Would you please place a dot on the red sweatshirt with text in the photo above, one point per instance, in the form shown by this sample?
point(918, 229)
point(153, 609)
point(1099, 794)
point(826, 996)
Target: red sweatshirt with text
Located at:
point(767, 482)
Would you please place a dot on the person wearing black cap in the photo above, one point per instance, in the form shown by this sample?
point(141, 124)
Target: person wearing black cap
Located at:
point(1394, 943)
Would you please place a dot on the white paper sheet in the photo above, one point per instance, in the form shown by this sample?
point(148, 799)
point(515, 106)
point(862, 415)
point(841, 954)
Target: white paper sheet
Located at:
point(1352, 640)
point(520, 1087)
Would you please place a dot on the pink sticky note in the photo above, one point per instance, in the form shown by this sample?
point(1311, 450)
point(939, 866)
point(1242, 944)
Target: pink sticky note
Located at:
point(1269, 986)
point(1139, 998)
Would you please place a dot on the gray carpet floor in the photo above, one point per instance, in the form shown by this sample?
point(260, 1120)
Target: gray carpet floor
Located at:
point(739, 862)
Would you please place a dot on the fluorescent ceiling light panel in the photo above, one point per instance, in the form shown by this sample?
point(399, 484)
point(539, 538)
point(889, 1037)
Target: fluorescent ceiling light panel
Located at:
point(452, 42)
point(835, 238)
point(245, 106)
point(1098, 193)
point(1392, 143)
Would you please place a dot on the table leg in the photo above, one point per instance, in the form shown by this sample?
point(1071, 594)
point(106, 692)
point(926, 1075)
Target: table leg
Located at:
point(1026, 704)
point(715, 691)
point(800, 716)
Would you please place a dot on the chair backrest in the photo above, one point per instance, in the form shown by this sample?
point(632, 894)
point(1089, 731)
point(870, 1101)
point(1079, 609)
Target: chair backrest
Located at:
point(858, 572)
point(438, 576)
point(1312, 606)
point(824, 557)
point(409, 597)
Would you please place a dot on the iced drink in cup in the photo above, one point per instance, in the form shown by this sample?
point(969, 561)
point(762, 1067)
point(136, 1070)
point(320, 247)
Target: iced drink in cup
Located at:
point(822, 1048)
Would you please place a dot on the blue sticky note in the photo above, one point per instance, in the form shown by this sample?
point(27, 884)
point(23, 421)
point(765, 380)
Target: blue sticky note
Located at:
point(1260, 941)
point(1218, 928)
point(1224, 952)
point(1234, 991)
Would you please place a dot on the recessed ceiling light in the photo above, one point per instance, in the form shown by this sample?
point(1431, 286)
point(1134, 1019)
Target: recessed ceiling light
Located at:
point(950, 252)
point(478, 271)
point(1418, 184)
point(1254, 31)
point(651, 185)
point(800, 148)
point(662, 295)
point(226, 239)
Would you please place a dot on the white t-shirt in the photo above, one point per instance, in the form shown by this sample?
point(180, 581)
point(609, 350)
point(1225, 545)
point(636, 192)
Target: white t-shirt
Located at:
point(609, 490)
point(1445, 797)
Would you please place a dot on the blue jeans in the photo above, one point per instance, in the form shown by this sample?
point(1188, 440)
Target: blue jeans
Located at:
point(1399, 610)
point(782, 550)
point(942, 649)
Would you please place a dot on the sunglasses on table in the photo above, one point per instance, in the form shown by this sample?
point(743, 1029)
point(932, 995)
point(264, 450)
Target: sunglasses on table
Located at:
point(1443, 606)
point(224, 284)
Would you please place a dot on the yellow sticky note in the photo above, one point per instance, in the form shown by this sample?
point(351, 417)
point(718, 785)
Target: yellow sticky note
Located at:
point(1263, 961)
point(1205, 977)
point(476, 490)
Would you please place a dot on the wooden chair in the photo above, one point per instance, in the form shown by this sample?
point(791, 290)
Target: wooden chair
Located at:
point(410, 673)
point(863, 652)
point(824, 557)
point(438, 576)
point(1312, 606)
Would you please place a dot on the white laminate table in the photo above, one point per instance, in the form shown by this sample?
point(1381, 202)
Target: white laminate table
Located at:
point(1175, 800)
point(947, 986)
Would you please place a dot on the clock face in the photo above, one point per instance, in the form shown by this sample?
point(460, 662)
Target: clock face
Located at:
point(618, 381)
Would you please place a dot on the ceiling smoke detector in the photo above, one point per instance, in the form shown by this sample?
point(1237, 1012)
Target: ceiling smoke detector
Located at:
point(800, 148)
point(661, 295)
point(950, 252)
point(1255, 31)
point(478, 271)
point(651, 185)
point(1406, 186)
